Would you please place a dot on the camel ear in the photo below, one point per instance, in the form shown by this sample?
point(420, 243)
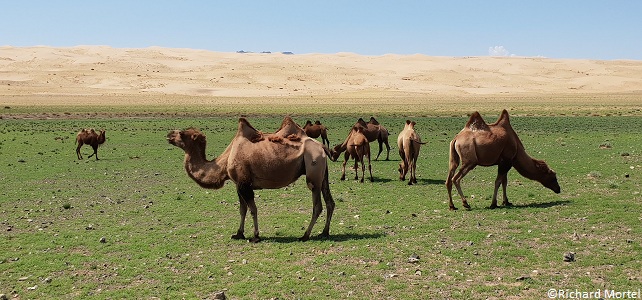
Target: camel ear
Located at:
point(413, 123)
point(407, 122)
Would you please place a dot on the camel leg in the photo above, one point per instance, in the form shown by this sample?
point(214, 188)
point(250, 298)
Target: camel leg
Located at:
point(404, 165)
point(251, 205)
point(363, 167)
point(316, 212)
point(380, 149)
point(343, 166)
point(242, 191)
point(95, 152)
point(329, 204)
point(356, 167)
point(411, 166)
point(370, 166)
point(504, 183)
point(324, 139)
point(387, 149)
point(457, 181)
point(502, 174)
point(78, 151)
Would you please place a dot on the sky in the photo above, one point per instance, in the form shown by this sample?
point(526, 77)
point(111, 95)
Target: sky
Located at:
point(575, 29)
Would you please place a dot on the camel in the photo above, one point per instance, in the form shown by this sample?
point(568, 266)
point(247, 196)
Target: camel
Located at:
point(373, 131)
point(357, 147)
point(315, 130)
point(91, 138)
point(481, 144)
point(254, 160)
point(409, 143)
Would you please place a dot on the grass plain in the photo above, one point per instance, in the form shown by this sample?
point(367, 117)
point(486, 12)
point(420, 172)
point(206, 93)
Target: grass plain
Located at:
point(167, 238)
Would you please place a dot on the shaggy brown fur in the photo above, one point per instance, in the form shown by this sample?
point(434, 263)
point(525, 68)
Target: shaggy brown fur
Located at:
point(272, 161)
point(481, 144)
point(91, 138)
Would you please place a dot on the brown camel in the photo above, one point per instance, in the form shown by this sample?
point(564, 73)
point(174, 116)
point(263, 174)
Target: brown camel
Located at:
point(315, 130)
point(358, 147)
point(409, 143)
point(255, 160)
point(373, 131)
point(481, 144)
point(91, 138)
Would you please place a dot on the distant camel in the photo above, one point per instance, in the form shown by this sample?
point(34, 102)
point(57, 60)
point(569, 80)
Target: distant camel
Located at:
point(409, 143)
point(255, 160)
point(91, 138)
point(358, 147)
point(481, 144)
point(373, 131)
point(315, 130)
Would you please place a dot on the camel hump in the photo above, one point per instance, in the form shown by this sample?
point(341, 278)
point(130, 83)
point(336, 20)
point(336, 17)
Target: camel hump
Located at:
point(503, 119)
point(362, 122)
point(373, 121)
point(246, 130)
point(317, 122)
point(476, 122)
point(290, 130)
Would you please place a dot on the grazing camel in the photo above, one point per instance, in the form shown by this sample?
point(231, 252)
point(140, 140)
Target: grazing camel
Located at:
point(254, 160)
point(373, 131)
point(409, 143)
point(315, 130)
point(91, 138)
point(357, 147)
point(481, 144)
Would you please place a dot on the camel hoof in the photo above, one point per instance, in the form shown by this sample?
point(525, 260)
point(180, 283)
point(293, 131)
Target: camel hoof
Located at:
point(507, 204)
point(452, 208)
point(238, 236)
point(304, 238)
point(493, 206)
point(254, 240)
point(343, 178)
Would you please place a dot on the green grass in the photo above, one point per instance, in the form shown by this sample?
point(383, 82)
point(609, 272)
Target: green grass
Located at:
point(166, 237)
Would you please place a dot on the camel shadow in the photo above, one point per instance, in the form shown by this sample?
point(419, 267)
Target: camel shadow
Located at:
point(426, 181)
point(333, 238)
point(537, 204)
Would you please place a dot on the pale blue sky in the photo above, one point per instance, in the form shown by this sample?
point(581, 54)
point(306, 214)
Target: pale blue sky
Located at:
point(550, 28)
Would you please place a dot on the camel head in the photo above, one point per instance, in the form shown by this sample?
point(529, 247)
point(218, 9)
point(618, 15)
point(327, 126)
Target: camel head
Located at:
point(548, 177)
point(335, 152)
point(101, 137)
point(189, 139)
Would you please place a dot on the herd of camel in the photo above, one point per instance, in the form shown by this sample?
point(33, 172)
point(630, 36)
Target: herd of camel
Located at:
point(256, 160)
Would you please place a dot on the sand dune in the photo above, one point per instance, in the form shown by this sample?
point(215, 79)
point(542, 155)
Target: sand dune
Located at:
point(102, 70)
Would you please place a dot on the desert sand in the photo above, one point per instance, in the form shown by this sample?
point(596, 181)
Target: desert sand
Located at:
point(102, 75)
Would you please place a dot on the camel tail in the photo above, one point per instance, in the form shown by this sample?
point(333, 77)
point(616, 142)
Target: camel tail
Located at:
point(454, 156)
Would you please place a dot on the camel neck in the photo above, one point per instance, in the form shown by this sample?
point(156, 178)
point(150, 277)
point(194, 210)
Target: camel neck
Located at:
point(207, 173)
point(525, 165)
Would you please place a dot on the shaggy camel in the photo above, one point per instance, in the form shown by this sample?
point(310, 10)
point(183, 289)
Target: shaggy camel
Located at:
point(91, 138)
point(315, 130)
point(409, 143)
point(481, 144)
point(357, 147)
point(373, 131)
point(255, 160)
